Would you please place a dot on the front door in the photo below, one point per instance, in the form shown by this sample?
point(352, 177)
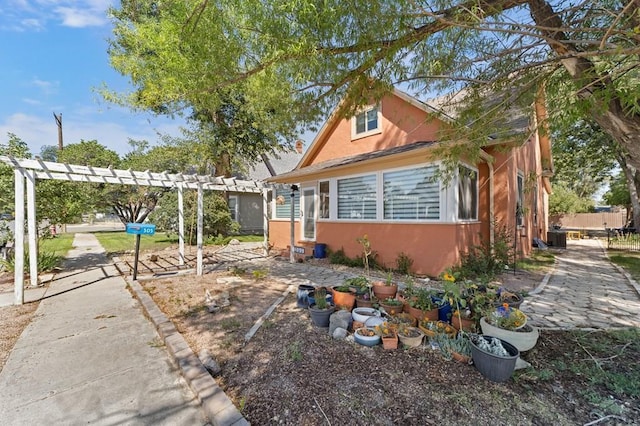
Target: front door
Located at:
point(309, 214)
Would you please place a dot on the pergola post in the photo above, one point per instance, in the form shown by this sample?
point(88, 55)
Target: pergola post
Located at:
point(18, 272)
point(265, 221)
point(180, 225)
point(32, 231)
point(200, 226)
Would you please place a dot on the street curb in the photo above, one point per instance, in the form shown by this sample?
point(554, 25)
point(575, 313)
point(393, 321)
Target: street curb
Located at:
point(215, 403)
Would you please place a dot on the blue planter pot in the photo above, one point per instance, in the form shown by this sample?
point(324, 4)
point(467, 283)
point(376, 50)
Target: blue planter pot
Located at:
point(444, 311)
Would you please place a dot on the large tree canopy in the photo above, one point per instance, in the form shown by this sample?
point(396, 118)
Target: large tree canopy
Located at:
point(293, 59)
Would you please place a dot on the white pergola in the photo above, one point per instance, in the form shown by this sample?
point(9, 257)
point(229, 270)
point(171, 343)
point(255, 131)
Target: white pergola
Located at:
point(30, 170)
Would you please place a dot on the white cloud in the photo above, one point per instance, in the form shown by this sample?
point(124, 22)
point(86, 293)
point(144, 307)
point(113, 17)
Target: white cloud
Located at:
point(34, 15)
point(47, 87)
point(80, 18)
point(30, 101)
point(38, 131)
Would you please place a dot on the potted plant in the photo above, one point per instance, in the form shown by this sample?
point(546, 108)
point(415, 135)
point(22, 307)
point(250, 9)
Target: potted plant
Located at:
point(410, 337)
point(320, 310)
point(513, 299)
point(510, 325)
point(366, 336)
point(422, 305)
point(493, 357)
point(391, 306)
point(344, 297)
point(457, 348)
point(385, 289)
point(388, 335)
point(434, 328)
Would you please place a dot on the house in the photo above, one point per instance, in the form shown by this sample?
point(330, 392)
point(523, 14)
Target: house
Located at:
point(247, 208)
point(376, 174)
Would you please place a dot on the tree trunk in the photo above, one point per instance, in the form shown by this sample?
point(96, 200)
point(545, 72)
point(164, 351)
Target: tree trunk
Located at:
point(623, 127)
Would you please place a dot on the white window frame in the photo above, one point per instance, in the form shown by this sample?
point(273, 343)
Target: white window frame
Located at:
point(368, 132)
point(328, 201)
point(477, 195)
point(337, 195)
point(234, 213)
point(274, 205)
point(400, 169)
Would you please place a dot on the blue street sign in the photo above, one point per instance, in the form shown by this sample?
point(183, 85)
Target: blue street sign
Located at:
point(141, 228)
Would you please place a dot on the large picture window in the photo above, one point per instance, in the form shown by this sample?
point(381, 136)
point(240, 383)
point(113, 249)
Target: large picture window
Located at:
point(357, 197)
point(411, 194)
point(467, 193)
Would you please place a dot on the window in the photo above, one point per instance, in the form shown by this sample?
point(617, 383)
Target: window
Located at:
point(467, 193)
point(283, 204)
point(411, 194)
point(324, 200)
point(520, 201)
point(366, 122)
point(233, 207)
point(357, 197)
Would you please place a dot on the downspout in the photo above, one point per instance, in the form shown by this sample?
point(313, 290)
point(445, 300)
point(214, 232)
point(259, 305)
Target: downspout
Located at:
point(489, 159)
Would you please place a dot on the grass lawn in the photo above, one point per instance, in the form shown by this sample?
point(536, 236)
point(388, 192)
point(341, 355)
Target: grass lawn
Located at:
point(59, 245)
point(629, 260)
point(118, 241)
point(538, 261)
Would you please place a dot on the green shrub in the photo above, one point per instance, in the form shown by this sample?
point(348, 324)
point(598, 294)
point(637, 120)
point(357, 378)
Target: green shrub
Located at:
point(486, 261)
point(46, 261)
point(404, 263)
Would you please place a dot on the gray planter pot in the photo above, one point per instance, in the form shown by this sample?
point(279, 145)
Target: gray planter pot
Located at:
point(493, 367)
point(320, 317)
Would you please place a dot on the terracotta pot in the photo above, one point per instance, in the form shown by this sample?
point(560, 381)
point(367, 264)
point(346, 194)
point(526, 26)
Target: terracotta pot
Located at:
point(419, 314)
point(464, 359)
point(364, 303)
point(383, 291)
point(390, 343)
point(344, 300)
point(392, 309)
point(461, 323)
point(406, 318)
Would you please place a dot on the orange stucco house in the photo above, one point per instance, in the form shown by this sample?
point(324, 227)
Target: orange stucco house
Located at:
point(372, 174)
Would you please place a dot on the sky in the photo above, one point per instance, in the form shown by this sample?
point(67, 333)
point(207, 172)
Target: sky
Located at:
point(53, 58)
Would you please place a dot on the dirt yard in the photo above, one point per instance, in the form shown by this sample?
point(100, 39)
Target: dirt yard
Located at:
point(295, 374)
point(291, 373)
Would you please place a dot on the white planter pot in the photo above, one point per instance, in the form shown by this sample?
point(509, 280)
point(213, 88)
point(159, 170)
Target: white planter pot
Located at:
point(363, 314)
point(522, 340)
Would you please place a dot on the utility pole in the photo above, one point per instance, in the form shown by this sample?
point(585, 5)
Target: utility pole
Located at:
point(58, 118)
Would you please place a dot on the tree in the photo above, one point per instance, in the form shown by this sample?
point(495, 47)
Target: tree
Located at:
point(15, 147)
point(298, 58)
point(583, 157)
point(565, 200)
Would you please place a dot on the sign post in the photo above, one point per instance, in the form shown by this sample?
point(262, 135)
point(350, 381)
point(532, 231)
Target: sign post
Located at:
point(138, 229)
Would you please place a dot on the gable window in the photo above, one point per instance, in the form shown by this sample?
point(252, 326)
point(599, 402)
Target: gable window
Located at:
point(520, 200)
point(357, 197)
point(411, 194)
point(233, 207)
point(283, 204)
point(467, 193)
point(366, 122)
point(323, 213)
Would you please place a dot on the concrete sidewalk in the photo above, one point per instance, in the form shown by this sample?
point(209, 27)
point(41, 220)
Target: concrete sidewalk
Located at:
point(91, 357)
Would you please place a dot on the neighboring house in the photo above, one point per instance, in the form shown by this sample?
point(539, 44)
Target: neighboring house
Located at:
point(373, 174)
point(247, 208)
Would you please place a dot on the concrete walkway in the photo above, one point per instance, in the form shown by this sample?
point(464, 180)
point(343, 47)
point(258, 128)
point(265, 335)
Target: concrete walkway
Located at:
point(91, 357)
point(585, 291)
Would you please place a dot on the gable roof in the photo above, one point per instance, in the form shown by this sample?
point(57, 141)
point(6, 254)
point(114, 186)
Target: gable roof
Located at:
point(336, 117)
